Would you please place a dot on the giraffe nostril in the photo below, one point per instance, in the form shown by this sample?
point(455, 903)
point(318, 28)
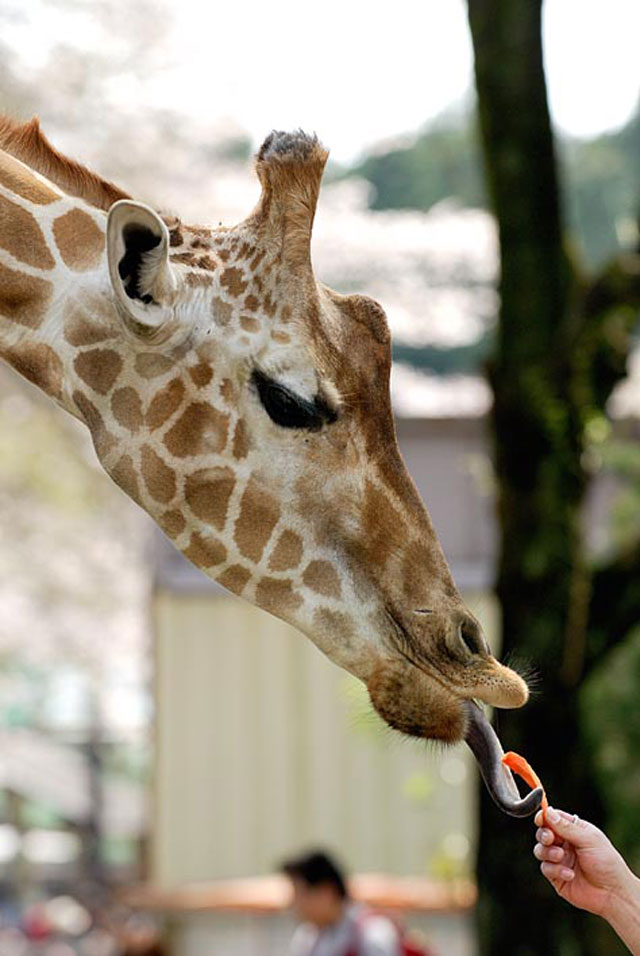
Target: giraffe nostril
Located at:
point(472, 637)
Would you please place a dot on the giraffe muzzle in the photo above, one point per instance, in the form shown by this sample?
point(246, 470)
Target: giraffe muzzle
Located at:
point(487, 749)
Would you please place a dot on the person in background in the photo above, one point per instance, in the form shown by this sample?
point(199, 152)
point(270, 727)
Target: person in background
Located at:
point(331, 923)
point(586, 870)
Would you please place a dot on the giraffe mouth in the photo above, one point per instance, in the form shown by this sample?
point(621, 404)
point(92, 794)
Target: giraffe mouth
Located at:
point(487, 749)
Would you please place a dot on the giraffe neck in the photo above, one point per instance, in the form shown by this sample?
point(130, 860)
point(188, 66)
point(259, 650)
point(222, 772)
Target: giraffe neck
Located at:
point(52, 259)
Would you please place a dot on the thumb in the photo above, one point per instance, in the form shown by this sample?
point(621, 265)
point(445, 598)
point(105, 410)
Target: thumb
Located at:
point(570, 827)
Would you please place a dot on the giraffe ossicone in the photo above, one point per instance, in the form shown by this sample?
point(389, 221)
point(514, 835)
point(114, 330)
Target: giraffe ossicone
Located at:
point(245, 406)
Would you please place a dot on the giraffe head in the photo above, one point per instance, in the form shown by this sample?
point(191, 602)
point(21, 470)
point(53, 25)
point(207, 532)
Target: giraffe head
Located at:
point(245, 406)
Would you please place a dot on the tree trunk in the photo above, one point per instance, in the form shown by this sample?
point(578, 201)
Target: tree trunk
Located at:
point(543, 583)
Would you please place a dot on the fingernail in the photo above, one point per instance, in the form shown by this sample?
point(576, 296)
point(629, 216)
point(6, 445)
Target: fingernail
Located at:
point(567, 874)
point(553, 816)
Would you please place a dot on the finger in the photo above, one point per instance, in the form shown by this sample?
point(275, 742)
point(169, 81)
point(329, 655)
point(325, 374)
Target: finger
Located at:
point(557, 872)
point(545, 836)
point(539, 818)
point(568, 827)
point(552, 854)
point(570, 854)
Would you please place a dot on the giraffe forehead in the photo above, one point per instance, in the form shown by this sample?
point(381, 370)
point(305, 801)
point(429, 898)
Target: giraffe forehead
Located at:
point(314, 335)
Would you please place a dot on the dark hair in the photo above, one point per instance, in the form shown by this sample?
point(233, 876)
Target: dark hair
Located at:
point(317, 869)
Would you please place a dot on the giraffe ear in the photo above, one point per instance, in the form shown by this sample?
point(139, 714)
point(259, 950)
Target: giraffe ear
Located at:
point(138, 252)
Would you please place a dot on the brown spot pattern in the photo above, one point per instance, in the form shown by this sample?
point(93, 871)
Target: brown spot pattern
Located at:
point(198, 279)
point(80, 330)
point(259, 513)
point(269, 305)
point(124, 475)
point(185, 258)
point(287, 553)
point(234, 578)
point(152, 365)
point(233, 281)
point(227, 391)
point(251, 303)
point(127, 408)
point(200, 429)
point(207, 493)
point(79, 239)
point(19, 180)
point(88, 410)
point(40, 365)
point(21, 235)
point(158, 477)
point(172, 523)
point(205, 552)
point(221, 311)
point(24, 299)
point(249, 324)
point(335, 623)
point(98, 368)
point(322, 577)
point(240, 447)
point(201, 374)
point(165, 403)
point(103, 441)
point(257, 259)
point(277, 596)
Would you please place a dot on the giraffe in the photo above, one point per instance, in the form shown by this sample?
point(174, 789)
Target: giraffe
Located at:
point(244, 405)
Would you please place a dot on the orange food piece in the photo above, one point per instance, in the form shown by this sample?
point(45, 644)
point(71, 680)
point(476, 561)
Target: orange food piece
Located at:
point(524, 769)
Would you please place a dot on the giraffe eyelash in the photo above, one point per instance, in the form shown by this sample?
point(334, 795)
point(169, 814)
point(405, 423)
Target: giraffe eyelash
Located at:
point(289, 410)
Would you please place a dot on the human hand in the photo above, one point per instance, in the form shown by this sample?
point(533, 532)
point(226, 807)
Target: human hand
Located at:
point(582, 864)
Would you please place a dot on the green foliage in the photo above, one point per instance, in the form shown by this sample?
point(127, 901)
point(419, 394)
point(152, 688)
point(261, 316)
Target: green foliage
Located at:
point(127, 760)
point(601, 189)
point(609, 709)
point(462, 359)
point(442, 161)
point(601, 180)
point(39, 815)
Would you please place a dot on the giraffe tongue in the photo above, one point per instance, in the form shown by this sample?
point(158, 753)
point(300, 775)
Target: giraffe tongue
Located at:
point(487, 749)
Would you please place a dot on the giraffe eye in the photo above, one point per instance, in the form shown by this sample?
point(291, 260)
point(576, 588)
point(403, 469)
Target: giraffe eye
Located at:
point(288, 409)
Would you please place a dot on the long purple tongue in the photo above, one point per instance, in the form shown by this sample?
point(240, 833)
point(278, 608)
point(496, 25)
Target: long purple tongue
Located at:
point(487, 749)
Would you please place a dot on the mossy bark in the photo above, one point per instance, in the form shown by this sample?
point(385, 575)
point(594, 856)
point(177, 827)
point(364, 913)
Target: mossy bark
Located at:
point(542, 392)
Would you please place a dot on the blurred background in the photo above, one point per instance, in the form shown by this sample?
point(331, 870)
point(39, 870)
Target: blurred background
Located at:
point(163, 745)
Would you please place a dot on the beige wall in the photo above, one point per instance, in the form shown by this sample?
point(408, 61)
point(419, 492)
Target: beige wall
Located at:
point(264, 747)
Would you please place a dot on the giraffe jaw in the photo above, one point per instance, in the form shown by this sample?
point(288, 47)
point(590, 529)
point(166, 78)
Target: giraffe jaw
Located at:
point(422, 705)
